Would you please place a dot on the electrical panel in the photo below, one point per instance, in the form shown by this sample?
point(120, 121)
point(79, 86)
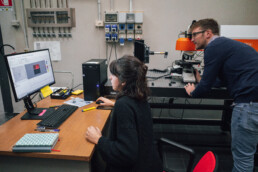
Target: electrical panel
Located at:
point(44, 21)
point(111, 26)
point(138, 26)
point(53, 17)
point(130, 19)
point(123, 26)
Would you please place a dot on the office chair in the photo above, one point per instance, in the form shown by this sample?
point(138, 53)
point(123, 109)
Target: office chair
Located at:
point(206, 164)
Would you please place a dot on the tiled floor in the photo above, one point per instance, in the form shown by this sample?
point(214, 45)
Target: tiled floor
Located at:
point(201, 139)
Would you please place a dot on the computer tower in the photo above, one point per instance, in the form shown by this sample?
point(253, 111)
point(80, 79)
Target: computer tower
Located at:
point(94, 74)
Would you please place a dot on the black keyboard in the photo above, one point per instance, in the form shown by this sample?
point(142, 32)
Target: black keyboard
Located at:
point(55, 119)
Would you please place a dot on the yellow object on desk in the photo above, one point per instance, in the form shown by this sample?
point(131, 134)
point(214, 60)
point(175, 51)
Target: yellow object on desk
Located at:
point(77, 92)
point(83, 110)
point(46, 91)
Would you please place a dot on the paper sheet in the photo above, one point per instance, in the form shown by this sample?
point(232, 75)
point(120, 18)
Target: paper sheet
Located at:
point(78, 102)
point(53, 46)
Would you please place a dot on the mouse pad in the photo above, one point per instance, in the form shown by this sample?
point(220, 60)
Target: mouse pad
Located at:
point(105, 107)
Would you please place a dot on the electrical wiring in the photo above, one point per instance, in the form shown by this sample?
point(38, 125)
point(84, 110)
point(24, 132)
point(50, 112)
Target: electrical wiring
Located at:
point(182, 115)
point(153, 79)
point(160, 113)
point(200, 54)
point(77, 86)
point(115, 51)
point(110, 54)
point(169, 112)
point(35, 103)
point(106, 51)
point(4, 45)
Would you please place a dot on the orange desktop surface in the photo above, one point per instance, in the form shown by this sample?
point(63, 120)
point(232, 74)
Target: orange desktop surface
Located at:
point(72, 144)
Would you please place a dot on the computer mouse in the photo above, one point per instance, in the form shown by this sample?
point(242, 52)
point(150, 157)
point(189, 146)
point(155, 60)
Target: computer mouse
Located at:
point(99, 101)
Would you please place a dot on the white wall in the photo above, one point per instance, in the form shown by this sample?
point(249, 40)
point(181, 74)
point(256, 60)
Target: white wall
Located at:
point(163, 20)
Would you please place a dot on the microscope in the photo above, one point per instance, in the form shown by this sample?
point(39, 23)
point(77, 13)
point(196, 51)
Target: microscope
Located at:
point(187, 47)
point(187, 63)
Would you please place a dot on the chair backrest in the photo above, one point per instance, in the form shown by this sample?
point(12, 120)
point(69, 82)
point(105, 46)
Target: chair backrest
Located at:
point(206, 164)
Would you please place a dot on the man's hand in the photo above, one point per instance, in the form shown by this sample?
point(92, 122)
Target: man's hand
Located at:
point(189, 88)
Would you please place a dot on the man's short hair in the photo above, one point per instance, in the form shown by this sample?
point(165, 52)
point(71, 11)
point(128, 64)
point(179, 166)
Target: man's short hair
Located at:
point(206, 24)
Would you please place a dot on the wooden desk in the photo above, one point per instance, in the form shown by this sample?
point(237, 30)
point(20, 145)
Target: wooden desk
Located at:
point(76, 152)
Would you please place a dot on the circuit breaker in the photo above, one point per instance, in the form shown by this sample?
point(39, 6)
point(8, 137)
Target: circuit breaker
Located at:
point(130, 19)
point(121, 28)
point(111, 26)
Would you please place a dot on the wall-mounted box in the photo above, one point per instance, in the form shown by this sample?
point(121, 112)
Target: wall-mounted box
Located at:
point(121, 17)
point(51, 17)
point(138, 17)
point(130, 17)
point(111, 17)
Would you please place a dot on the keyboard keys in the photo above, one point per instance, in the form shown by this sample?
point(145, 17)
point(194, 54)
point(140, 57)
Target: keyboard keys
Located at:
point(55, 119)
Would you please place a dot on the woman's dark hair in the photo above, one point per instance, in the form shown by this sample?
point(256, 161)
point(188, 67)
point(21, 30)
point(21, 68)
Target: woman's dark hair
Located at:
point(132, 71)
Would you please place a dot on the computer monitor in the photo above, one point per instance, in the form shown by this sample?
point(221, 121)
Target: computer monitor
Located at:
point(28, 73)
point(141, 51)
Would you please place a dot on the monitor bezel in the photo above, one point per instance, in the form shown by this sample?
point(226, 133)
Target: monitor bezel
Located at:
point(11, 78)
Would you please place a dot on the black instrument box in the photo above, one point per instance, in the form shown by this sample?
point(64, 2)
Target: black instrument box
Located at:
point(61, 94)
point(94, 73)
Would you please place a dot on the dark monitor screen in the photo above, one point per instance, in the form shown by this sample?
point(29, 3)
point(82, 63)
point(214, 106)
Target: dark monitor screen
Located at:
point(28, 73)
point(141, 51)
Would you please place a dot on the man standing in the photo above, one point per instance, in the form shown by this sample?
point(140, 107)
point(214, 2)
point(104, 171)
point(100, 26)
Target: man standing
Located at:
point(236, 64)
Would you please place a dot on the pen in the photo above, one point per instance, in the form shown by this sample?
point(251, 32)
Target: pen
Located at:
point(55, 150)
point(54, 106)
point(47, 130)
point(83, 110)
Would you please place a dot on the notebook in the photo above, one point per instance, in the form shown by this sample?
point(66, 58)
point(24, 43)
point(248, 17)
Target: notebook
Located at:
point(36, 142)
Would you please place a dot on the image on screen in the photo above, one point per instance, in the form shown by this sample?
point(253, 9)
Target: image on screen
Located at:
point(29, 72)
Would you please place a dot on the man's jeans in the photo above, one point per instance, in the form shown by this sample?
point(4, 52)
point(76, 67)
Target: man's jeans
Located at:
point(244, 134)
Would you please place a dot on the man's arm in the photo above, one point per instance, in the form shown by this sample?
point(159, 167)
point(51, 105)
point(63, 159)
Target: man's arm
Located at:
point(212, 64)
point(197, 76)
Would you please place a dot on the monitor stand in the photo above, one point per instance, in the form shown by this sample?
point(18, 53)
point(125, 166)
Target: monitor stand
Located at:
point(35, 113)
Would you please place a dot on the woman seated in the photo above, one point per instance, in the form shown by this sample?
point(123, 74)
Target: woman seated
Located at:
point(129, 148)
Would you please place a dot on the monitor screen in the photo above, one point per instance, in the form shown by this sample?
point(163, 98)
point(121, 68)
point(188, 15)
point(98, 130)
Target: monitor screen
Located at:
point(141, 51)
point(29, 72)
